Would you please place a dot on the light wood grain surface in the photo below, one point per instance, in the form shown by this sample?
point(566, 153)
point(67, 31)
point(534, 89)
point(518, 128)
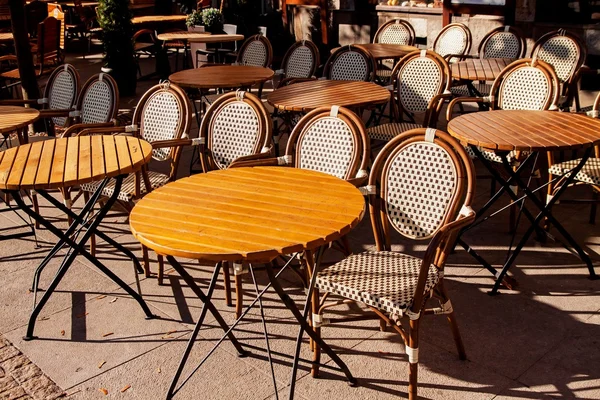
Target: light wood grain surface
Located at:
point(252, 214)
point(148, 19)
point(6, 37)
point(13, 117)
point(306, 96)
point(385, 50)
point(57, 163)
point(526, 130)
point(199, 37)
point(221, 76)
point(479, 69)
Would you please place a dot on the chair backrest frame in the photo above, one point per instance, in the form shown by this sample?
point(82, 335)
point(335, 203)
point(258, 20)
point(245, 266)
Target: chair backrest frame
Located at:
point(511, 39)
point(565, 73)
point(347, 54)
point(252, 44)
point(308, 69)
point(445, 44)
point(62, 90)
point(98, 101)
point(395, 29)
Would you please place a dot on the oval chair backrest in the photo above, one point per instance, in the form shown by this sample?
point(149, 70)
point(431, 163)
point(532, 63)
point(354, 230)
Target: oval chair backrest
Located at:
point(420, 178)
point(526, 85)
point(62, 90)
point(350, 63)
point(563, 51)
point(331, 140)
point(502, 42)
point(99, 99)
point(396, 31)
point(48, 38)
point(417, 78)
point(453, 39)
point(256, 51)
point(235, 125)
point(163, 113)
point(301, 60)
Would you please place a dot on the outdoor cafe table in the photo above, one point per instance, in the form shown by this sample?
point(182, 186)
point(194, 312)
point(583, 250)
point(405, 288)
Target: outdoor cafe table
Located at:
point(306, 96)
point(535, 132)
point(221, 77)
point(65, 162)
point(197, 37)
point(16, 119)
point(158, 19)
point(478, 69)
point(247, 215)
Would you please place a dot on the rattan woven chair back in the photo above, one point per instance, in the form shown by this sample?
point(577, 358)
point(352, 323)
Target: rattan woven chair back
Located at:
point(301, 60)
point(422, 179)
point(453, 39)
point(562, 50)
point(99, 100)
point(256, 51)
point(417, 78)
point(330, 140)
point(503, 42)
point(62, 90)
point(164, 112)
point(350, 63)
point(526, 84)
point(235, 125)
point(395, 31)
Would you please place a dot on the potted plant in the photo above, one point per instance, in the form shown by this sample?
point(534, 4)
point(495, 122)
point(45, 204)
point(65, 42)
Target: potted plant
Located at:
point(114, 18)
point(194, 19)
point(212, 18)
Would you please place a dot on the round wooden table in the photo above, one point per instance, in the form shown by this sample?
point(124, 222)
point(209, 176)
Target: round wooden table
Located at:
point(14, 118)
point(221, 76)
point(535, 132)
point(479, 69)
point(199, 37)
point(306, 96)
point(237, 215)
point(158, 19)
point(381, 51)
point(64, 162)
point(6, 37)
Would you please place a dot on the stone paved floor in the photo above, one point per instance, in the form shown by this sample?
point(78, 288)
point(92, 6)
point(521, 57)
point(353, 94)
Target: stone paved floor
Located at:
point(537, 341)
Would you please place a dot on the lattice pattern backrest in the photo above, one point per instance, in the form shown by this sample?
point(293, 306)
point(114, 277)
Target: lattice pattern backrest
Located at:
point(395, 34)
point(255, 54)
point(97, 103)
point(419, 80)
point(327, 145)
point(562, 53)
point(524, 88)
point(161, 118)
point(452, 41)
point(419, 186)
point(502, 45)
point(234, 132)
point(350, 66)
point(62, 94)
point(300, 63)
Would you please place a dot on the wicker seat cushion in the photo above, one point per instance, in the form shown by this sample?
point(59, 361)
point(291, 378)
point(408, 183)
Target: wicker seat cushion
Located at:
point(382, 279)
point(389, 131)
point(128, 186)
point(590, 173)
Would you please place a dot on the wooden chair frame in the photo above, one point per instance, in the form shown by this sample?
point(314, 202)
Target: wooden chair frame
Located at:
point(371, 65)
point(286, 80)
point(396, 21)
point(469, 41)
point(264, 41)
point(502, 29)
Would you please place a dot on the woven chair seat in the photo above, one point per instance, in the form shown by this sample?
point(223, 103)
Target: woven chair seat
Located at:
point(590, 173)
point(463, 91)
point(387, 132)
point(586, 109)
point(383, 279)
point(128, 187)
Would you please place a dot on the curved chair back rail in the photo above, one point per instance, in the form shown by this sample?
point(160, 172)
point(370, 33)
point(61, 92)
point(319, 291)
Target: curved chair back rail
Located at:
point(350, 63)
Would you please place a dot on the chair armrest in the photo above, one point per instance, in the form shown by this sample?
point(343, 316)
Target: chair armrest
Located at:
point(291, 81)
point(460, 57)
point(75, 128)
point(265, 162)
point(49, 113)
point(160, 144)
point(586, 70)
point(463, 100)
point(359, 181)
point(114, 130)
point(18, 102)
point(266, 153)
point(9, 57)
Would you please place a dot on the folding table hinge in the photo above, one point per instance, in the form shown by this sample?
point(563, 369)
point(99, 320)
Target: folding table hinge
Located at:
point(238, 268)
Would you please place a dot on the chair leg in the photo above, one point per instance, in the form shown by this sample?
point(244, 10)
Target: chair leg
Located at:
point(66, 192)
point(413, 359)
point(315, 347)
point(239, 296)
point(460, 347)
point(161, 269)
point(227, 284)
point(86, 198)
point(346, 246)
point(146, 261)
point(36, 208)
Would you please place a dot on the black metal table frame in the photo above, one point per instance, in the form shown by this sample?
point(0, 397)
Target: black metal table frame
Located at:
point(544, 210)
point(88, 222)
point(287, 301)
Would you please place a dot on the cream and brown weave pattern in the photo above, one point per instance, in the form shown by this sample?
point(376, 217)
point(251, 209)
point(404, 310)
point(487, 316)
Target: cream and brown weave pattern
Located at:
point(300, 63)
point(420, 189)
point(327, 146)
point(350, 66)
point(525, 88)
point(160, 121)
point(255, 54)
point(62, 94)
point(419, 81)
point(562, 53)
point(97, 103)
point(387, 132)
point(128, 186)
point(395, 34)
point(235, 129)
point(452, 41)
point(385, 280)
point(590, 173)
point(502, 45)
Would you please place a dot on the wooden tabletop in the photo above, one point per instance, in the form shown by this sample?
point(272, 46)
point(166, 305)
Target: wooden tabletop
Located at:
point(6, 36)
point(385, 50)
point(479, 69)
point(306, 96)
point(83, 4)
point(13, 117)
point(148, 19)
point(526, 130)
point(52, 164)
point(252, 214)
point(199, 37)
point(221, 76)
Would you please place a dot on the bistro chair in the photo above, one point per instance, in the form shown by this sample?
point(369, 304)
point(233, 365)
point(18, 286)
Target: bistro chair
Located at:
point(146, 44)
point(502, 42)
point(395, 31)
point(162, 117)
point(566, 53)
point(588, 175)
point(236, 127)
point(300, 61)
point(350, 63)
point(330, 140)
point(420, 84)
point(257, 51)
point(453, 42)
point(421, 185)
